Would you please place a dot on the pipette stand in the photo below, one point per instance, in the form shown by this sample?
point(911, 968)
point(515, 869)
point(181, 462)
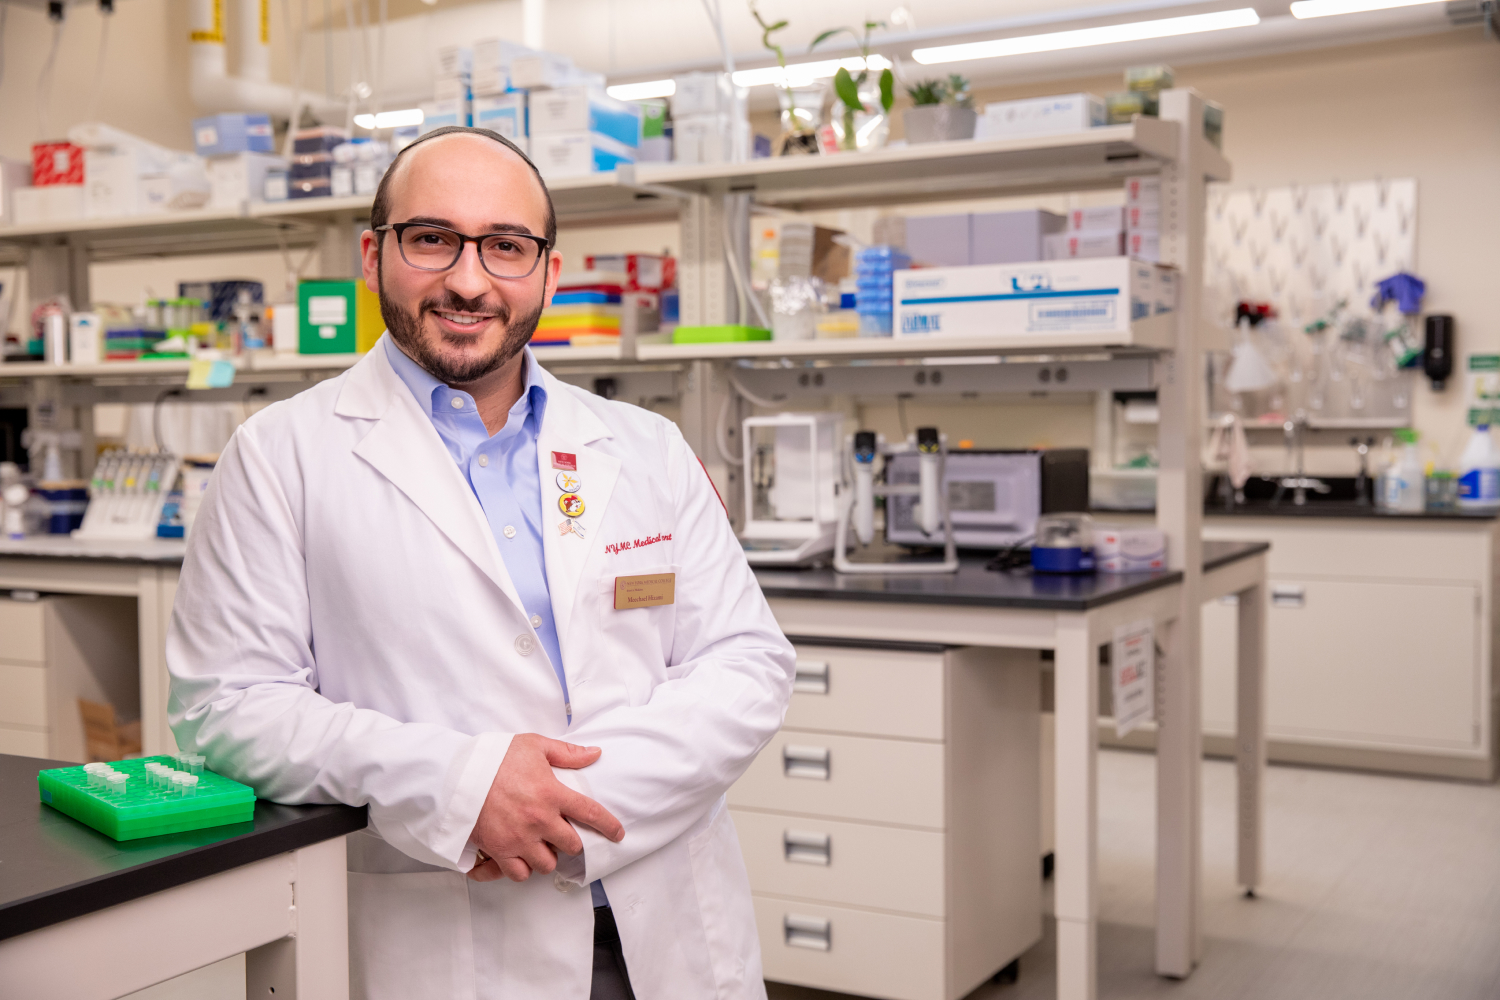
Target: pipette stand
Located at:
point(949, 562)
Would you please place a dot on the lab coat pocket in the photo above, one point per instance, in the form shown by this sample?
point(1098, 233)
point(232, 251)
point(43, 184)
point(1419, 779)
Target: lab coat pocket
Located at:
point(410, 936)
point(723, 889)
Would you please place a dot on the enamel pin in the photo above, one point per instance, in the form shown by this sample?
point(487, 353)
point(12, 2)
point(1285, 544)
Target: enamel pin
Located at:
point(568, 482)
point(570, 527)
point(570, 504)
point(565, 460)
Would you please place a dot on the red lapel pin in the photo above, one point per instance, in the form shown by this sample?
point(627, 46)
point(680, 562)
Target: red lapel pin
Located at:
point(566, 461)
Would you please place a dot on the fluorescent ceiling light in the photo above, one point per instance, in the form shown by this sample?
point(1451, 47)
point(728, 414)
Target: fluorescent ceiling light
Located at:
point(1326, 8)
point(642, 91)
point(1078, 38)
point(801, 74)
point(390, 119)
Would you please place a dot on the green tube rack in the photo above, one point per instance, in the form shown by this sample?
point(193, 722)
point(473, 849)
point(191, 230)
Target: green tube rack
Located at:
point(142, 811)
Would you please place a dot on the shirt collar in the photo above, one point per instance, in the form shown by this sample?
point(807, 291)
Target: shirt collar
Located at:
point(430, 392)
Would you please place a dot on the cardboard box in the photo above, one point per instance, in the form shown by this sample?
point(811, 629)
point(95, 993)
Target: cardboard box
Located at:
point(85, 338)
point(14, 175)
point(940, 240)
point(337, 317)
point(492, 59)
point(503, 113)
point(114, 184)
point(1143, 217)
point(227, 134)
point(702, 139)
point(1129, 550)
point(1097, 217)
point(236, 180)
point(1085, 297)
point(702, 94)
point(1011, 237)
point(36, 206)
point(644, 272)
point(582, 109)
point(1040, 116)
point(1143, 243)
point(1088, 243)
point(541, 70)
point(1166, 288)
point(569, 154)
point(1144, 190)
point(451, 88)
point(436, 114)
point(455, 60)
point(56, 163)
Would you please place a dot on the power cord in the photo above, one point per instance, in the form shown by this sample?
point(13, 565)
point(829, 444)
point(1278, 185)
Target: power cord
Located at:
point(1015, 558)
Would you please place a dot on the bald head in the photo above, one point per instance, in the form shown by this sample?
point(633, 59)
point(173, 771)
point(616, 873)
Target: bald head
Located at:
point(476, 158)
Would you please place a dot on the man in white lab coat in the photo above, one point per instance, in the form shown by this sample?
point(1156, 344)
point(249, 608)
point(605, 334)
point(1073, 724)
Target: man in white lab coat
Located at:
point(508, 615)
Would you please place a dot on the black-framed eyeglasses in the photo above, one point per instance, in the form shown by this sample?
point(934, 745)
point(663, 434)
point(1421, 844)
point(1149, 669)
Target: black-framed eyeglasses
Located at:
point(437, 248)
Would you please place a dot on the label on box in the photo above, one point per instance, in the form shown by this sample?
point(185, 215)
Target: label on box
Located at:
point(1132, 661)
point(1097, 217)
point(1143, 217)
point(327, 310)
point(206, 136)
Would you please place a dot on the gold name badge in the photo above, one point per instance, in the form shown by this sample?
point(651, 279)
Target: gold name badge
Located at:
point(645, 591)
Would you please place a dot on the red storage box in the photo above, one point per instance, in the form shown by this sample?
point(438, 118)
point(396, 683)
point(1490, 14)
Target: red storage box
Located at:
point(56, 163)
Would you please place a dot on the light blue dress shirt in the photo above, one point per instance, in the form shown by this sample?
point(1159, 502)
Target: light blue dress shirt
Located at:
point(502, 471)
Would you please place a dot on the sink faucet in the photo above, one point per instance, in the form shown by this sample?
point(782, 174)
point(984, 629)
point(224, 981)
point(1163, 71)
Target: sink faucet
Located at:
point(1362, 484)
point(1295, 431)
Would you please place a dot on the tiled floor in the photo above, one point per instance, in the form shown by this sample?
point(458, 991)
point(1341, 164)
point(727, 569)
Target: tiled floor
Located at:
point(1376, 887)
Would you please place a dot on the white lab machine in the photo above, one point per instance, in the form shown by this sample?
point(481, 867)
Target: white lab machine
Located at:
point(126, 495)
point(933, 519)
point(793, 485)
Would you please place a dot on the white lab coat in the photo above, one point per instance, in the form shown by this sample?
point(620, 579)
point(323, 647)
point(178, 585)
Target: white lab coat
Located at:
point(345, 631)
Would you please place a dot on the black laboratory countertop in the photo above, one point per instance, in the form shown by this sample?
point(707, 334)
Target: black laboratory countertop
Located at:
point(975, 586)
point(54, 868)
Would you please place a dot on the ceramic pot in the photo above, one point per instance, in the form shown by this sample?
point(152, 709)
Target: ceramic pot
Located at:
point(938, 123)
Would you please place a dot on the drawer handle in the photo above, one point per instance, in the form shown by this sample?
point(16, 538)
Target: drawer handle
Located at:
point(805, 762)
point(811, 677)
point(807, 848)
point(1287, 596)
point(808, 932)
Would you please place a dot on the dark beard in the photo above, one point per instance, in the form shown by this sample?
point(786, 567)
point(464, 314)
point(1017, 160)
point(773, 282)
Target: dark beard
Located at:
point(406, 329)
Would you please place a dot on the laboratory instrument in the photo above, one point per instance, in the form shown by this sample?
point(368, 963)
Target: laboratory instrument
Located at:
point(928, 511)
point(126, 494)
point(146, 797)
point(1064, 543)
point(793, 484)
point(994, 496)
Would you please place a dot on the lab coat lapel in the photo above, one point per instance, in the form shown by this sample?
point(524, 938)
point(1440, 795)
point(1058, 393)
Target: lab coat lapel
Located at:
point(404, 447)
point(568, 428)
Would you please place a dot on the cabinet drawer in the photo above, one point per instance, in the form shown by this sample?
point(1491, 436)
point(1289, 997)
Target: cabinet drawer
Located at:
point(21, 631)
point(874, 692)
point(23, 742)
point(837, 862)
point(851, 951)
point(846, 777)
point(23, 695)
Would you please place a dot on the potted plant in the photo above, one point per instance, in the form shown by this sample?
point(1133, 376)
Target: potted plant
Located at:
point(801, 106)
point(857, 123)
point(941, 110)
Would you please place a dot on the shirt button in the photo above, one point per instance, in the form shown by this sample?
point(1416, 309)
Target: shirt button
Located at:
point(509, 531)
point(484, 460)
point(524, 645)
point(536, 621)
point(561, 884)
point(456, 403)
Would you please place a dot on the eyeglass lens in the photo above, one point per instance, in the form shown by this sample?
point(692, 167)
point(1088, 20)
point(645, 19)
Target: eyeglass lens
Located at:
point(502, 255)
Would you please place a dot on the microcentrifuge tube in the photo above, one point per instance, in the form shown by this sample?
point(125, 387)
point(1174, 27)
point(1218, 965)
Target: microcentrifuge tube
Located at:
point(195, 763)
point(190, 784)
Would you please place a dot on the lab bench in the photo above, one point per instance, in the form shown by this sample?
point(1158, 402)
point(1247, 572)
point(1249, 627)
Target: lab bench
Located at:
point(85, 917)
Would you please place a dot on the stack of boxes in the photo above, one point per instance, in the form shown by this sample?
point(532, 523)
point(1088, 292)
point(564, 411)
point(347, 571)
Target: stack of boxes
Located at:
point(709, 123)
point(580, 130)
point(452, 98)
point(239, 149)
point(874, 275)
point(1098, 231)
point(980, 237)
point(56, 193)
point(1143, 87)
point(617, 295)
point(1040, 116)
point(1143, 217)
point(311, 173)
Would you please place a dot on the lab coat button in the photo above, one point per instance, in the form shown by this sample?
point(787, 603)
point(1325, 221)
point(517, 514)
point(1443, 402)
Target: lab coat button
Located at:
point(536, 621)
point(484, 460)
point(524, 645)
point(561, 884)
point(456, 403)
point(509, 531)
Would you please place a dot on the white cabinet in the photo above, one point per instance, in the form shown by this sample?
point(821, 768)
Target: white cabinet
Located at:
point(889, 829)
point(1380, 650)
point(54, 651)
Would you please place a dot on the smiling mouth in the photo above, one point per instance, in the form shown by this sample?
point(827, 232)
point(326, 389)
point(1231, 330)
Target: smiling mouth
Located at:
point(464, 320)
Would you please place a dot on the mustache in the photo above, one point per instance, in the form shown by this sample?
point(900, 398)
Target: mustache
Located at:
point(450, 301)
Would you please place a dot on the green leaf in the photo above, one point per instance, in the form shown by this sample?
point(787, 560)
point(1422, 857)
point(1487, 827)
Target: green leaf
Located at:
point(872, 25)
point(847, 91)
point(778, 26)
point(887, 89)
point(827, 35)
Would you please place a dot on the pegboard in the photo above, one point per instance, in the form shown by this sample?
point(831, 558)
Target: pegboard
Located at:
point(1305, 247)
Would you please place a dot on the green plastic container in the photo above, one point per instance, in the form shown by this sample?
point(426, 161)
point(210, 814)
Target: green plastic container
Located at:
point(726, 334)
point(143, 811)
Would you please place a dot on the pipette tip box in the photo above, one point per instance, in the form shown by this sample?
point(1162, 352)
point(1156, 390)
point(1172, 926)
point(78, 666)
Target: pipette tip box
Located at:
point(145, 808)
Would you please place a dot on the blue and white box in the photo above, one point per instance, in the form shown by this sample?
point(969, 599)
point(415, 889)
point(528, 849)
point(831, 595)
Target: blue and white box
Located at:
point(503, 113)
point(436, 114)
point(227, 134)
point(1041, 116)
point(583, 109)
point(572, 154)
point(1085, 297)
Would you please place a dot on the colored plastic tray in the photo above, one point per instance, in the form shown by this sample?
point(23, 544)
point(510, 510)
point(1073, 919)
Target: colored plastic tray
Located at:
point(142, 811)
point(730, 333)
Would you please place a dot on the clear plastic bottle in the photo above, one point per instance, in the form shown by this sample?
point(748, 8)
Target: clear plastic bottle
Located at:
point(1410, 479)
point(1479, 472)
